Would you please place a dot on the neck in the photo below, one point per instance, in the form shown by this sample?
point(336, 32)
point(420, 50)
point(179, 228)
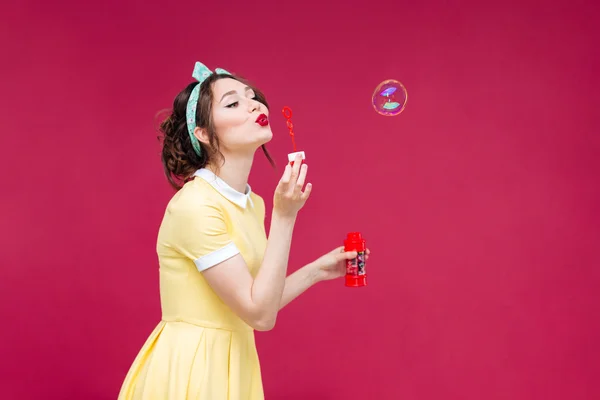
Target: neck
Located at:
point(234, 171)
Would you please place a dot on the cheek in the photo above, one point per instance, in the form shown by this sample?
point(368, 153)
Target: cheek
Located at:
point(228, 119)
point(231, 127)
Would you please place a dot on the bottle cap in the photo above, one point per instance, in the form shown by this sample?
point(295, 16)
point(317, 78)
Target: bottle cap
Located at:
point(355, 242)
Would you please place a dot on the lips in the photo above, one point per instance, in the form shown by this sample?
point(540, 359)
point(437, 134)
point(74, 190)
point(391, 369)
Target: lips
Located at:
point(262, 120)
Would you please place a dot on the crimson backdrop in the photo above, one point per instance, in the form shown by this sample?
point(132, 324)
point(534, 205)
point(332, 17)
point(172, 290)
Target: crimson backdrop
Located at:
point(479, 202)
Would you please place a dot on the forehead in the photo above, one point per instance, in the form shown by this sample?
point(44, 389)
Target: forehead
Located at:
point(225, 85)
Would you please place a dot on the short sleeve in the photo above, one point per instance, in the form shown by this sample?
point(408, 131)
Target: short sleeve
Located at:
point(201, 235)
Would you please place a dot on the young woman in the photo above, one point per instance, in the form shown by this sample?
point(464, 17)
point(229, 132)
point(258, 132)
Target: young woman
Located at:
point(220, 278)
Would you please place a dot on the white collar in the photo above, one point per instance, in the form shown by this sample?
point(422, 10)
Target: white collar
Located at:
point(241, 199)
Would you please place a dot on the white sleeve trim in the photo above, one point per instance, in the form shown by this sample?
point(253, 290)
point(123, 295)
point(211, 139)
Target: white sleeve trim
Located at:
point(216, 257)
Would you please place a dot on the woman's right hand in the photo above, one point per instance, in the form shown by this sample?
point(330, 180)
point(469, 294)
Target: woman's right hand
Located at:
point(289, 197)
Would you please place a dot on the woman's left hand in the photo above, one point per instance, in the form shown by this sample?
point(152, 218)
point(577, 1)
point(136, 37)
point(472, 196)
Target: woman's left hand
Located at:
point(333, 264)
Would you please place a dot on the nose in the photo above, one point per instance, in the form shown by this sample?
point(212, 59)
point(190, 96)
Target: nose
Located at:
point(254, 105)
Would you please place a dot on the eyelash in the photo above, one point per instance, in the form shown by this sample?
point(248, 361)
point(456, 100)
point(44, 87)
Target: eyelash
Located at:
point(235, 103)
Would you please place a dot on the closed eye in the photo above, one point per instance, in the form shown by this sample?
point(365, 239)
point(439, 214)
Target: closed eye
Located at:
point(236, 103)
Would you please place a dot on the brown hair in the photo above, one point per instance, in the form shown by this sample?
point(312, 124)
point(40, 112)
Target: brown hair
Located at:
point(179, 159)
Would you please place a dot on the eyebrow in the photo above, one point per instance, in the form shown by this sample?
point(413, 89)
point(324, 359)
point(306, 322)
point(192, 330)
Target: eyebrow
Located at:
point(233, 92)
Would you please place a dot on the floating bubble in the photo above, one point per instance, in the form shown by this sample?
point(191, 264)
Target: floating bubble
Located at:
point(389, 98)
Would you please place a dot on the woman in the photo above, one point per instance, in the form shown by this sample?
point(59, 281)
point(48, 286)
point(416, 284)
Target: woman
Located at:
point(220, 278)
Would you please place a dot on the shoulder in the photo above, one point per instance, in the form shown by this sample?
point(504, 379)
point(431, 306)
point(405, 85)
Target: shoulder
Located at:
point(196, 197)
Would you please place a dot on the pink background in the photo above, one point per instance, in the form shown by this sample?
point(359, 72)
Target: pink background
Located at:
point(480, 202)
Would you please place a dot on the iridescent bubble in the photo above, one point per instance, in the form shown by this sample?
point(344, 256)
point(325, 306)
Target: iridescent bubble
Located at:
point(389, 98)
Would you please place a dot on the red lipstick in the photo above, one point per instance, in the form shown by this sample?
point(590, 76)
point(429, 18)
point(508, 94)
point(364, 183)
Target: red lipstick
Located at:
point(262, 120)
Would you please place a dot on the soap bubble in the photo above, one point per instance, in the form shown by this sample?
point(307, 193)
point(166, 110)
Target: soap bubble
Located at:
point(389, 98)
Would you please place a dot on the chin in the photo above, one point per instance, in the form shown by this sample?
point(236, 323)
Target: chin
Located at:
point(265, 137)
point(255, 140)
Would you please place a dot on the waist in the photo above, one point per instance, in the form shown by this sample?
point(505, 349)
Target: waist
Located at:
point(242, 327)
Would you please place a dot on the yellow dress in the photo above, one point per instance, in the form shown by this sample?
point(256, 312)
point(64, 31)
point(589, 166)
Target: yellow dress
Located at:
point(201, 349)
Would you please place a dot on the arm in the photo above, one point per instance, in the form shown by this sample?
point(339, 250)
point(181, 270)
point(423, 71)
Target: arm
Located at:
point(257, 300)
point(297, 283)
point(331, 265)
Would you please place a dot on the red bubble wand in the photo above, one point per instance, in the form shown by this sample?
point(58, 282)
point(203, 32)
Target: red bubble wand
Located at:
point(287, 114)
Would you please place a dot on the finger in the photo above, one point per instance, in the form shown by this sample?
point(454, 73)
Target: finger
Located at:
point(304, 196)
point(287, 173)
point(301, 178)
point(296, 168)
point(347, 255)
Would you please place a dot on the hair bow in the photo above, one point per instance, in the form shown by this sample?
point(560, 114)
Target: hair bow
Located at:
point(200, 73)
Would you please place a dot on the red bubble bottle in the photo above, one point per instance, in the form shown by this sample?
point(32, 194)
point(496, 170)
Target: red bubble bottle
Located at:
point(356, 273)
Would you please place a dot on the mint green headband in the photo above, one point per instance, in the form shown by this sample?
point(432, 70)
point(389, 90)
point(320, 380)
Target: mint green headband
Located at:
point(201, 72)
